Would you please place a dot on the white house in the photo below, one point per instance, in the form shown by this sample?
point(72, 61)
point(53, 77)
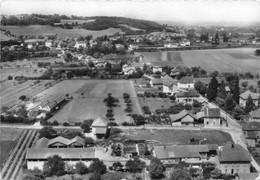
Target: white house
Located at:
point(100, 127)
point(254, 115)
point(129, 70)
point(212, 117)
point(233, 159)
point(157, 69)
point(80, 44)
point(186, 82)
point(170, 88)
point(186, 96)
point(49, 43)
point(244, 96)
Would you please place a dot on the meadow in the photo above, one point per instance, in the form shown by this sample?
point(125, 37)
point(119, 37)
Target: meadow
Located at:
point(222, 60)
point(88, 99)
point(35, 30)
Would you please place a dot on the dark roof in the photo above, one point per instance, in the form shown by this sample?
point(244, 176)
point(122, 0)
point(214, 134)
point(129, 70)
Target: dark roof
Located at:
point(186, 80)
point(251, 126)
point(234, 153)
point(251, 135)
point(64, 153)
point(255, 113)
point(212, 112)
point(180, 115)
point(187, 94)
point(157, 81)
point(44, 142)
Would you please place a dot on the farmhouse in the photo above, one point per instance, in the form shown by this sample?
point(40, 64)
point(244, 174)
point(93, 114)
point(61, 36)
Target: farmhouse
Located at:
point(244, 96)
point(157, 69)
point(35, 157)
point(99, 127)
point(254, 115)
point(60, 142)
point(252, 132)
point(182, 118)
point(234, 159)
point(187, 96)
point(187, 153)
point(186, 82)
point(129, 70)
point(212, 117)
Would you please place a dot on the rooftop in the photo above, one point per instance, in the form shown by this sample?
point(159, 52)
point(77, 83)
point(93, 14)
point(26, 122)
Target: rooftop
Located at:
point(187, 94)
point(251, 126)
point(246, 94)
point(156, 81)
point(180, 115)
point(255, 113)
point(212, 112)
point(100, 122)
point(186, 80)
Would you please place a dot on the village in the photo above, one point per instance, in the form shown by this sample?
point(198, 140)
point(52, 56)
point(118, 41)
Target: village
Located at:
point(176, 104)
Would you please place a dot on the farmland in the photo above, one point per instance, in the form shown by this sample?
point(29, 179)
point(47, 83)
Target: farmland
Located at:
point(178, 136)
point(88, 99)
point(222, 60)
point(61, 33)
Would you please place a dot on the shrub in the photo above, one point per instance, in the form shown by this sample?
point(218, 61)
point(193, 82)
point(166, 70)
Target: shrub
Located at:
point(115, 131)
point(66, 124)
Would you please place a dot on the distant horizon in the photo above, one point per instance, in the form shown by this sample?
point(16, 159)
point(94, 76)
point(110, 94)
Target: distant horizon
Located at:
point(198, 11)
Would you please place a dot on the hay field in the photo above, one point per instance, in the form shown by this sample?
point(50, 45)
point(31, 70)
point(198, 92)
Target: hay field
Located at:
point(62, 33)
point(222, 60)
point(90, 104)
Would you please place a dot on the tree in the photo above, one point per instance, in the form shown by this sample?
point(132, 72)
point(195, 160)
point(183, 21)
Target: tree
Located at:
point(135, 165)
point(229, 103)
point(180, 174)
point(95, 176)
point(54, 166)
point(48, 132)
point(86, 125)
point(238, 112)
point(215, 174)
point(156, 169)
point(10, 77)
point(98, 167)
point(244, 84)
point(117, 166)
point(81, 168)
point(23, 97)
point(69, 75)
point(70, 133)
point(236, 91)
point(110, 101)
point(222, 91)
point(249, 104)
point(198, 85)
point(213, 89)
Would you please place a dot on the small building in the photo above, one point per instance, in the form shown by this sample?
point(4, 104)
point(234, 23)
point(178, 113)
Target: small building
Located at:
point(129, 70)
point(254, 115)
point(157, 69)
point(52, 102)
point(100, 127)
point(82, 44)
point(156, 83)
point(244, 96)
point(251, 139)
point(212, 117)
point(234, 159)
point(183, 118)
point(251, 131)
point(186, 82)
point(49, 43)
point(187, 96)
point(170, 88)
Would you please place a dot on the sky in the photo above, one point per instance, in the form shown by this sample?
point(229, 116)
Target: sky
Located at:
point(156, 10)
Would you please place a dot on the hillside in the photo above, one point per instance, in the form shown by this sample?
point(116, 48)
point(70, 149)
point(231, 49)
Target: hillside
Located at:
point(102, 22)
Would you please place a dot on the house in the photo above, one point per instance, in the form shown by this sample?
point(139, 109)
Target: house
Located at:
point(252, 132)
point(156, 83)
point(100, 127)
point(186, 82)
point(187, 96)
point(244, 96)
point(60, 142)
point(52, 102)
point(82, 44)
point(170, 88)
point(182, 118)
point(254, 115)
point(36, 157)
point(251, 139)
point(128, 70)
point(49, 43)
point(157, 69)
point(212, 117)
point(174, 154)
point(233, 159)
point(248, 176)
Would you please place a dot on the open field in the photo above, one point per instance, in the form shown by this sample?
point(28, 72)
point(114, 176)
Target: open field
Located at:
point(91, 104)
point(222, 60)
point(35, 30)
point(155, 103)
point(178, 136)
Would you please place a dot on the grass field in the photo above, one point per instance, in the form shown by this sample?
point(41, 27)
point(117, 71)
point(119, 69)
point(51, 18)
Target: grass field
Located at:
point(178, 136)
point(155, 103)
point(91, 104)
point(4, 37)
point(222, 60)
point(62, 33)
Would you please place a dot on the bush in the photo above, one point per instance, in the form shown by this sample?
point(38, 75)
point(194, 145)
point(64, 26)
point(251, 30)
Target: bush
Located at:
point(81, 168)
point(66, 124)
point(112, 124)
point(98, 167)
point(55, 123)
point(115, 131)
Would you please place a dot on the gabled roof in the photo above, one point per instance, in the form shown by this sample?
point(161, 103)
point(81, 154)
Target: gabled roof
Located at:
point(212, 112)
point(157, 81)
point(180, 115)
point(42, 143)
point(255, 113)
point(64, 153)
point(234, 153)
point(187, 94)
point(186, 80)
point(59, 139)
point(77, 139)
point(251, 135)
point(246, 94)
point(100, 122)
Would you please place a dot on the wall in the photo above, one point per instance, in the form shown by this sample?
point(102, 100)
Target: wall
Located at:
point(212, 121)
point(237, 168)
point(185, 86)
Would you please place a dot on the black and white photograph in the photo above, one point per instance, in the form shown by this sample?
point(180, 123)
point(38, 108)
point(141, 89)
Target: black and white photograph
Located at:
point(130, 90)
